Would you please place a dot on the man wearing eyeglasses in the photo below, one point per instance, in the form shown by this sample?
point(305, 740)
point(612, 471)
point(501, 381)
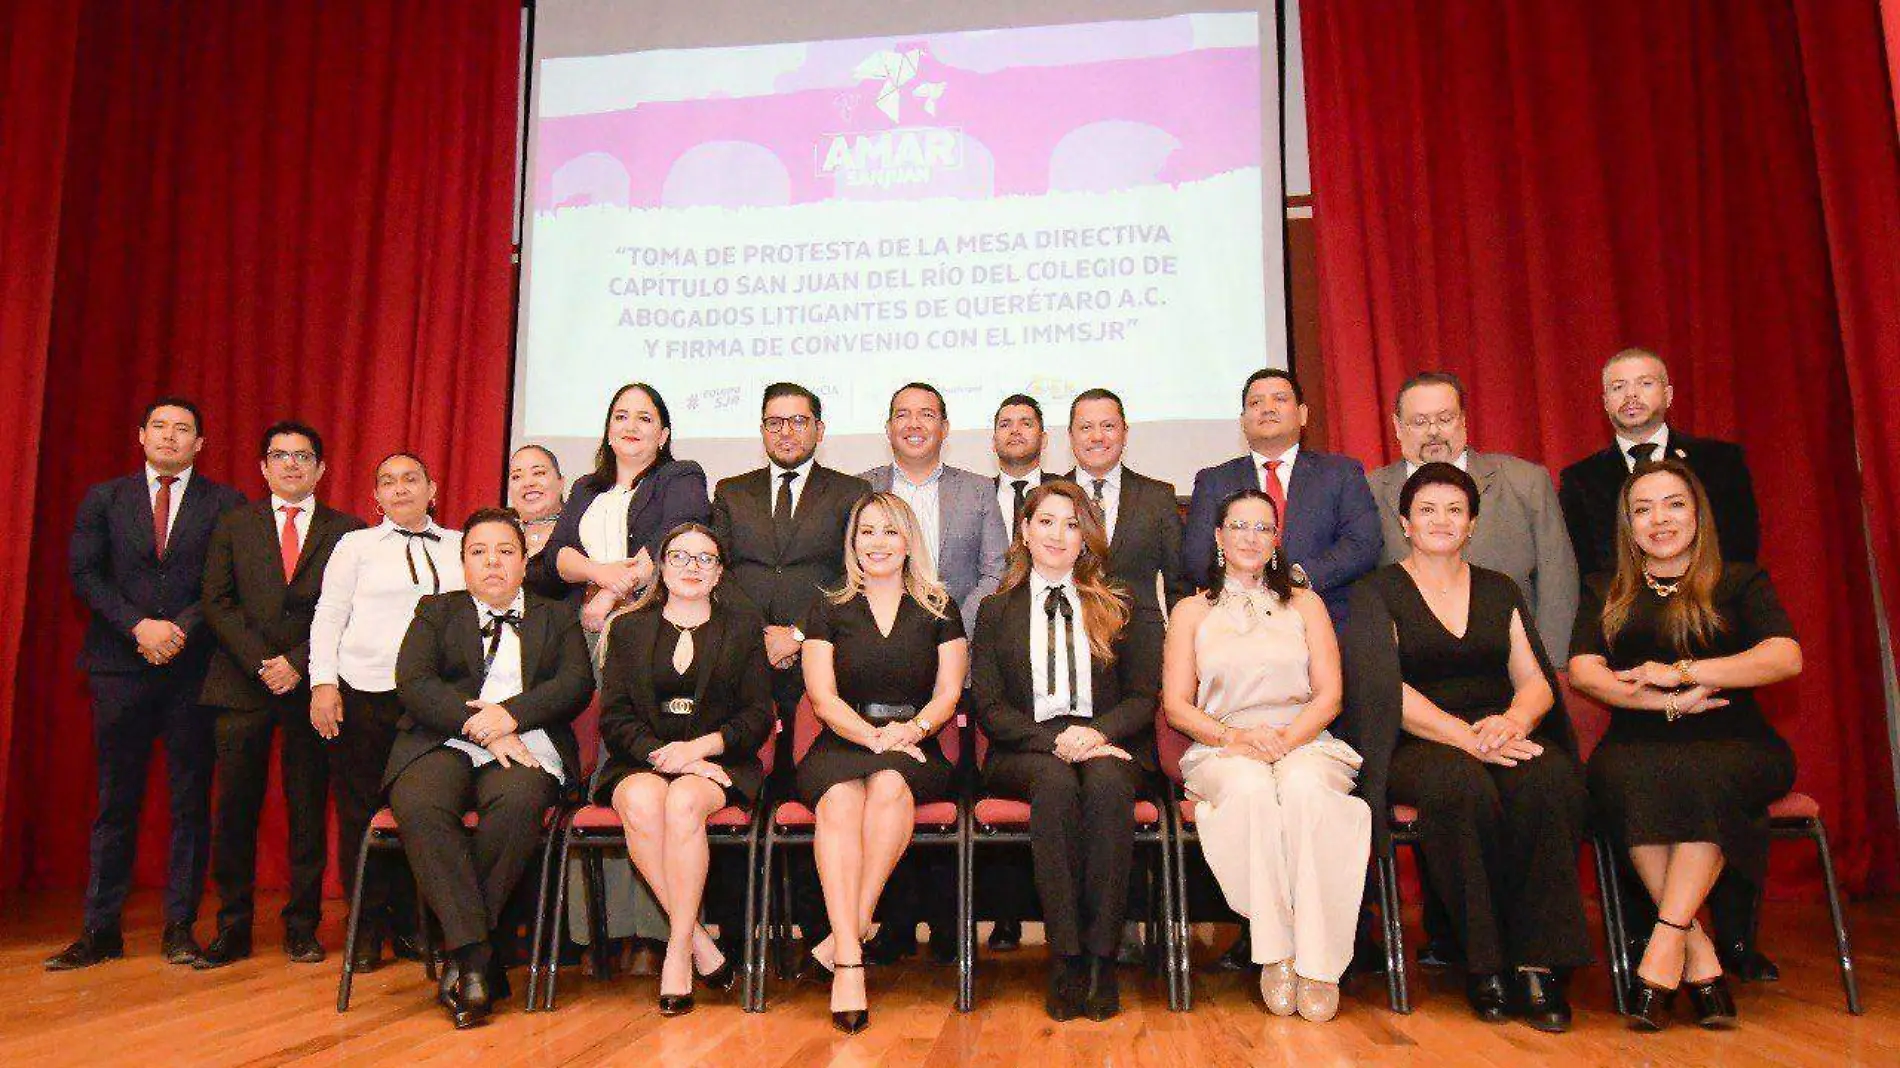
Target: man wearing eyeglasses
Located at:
point(1520, 529)
point(263, 575)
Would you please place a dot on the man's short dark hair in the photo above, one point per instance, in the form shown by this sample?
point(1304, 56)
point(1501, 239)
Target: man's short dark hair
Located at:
point(1098, 393)
point(793, 389)
point(943, 410)
point(1429, 378)
point(290, 426)
point(1299, 395)
point(170, 401)
point(507, 517)
point(1016, 399)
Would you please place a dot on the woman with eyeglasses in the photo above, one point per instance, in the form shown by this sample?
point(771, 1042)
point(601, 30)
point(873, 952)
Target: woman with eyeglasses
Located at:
point(884, 661)
point(1064, 679)
point(1251, 674)
point(686, 702)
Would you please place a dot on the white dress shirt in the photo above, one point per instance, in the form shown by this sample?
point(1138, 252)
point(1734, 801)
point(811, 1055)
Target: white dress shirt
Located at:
point(1006, 495)
point(504, 681)
point(798, 484)
point(1052, 704)
point(370, 589)
point(923, 498)
point(1660, 438)
point(1111, 481)
point(306, 508)
point(603, 529)
point(1462, 463)
point(178, 493)
point(1284, 472)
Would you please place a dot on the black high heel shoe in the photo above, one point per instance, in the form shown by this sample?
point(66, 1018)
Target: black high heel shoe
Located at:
point(721, 978)
point(1712, 1001)
point(850, 1021)
point(675, 1004)
point(1649, 1004)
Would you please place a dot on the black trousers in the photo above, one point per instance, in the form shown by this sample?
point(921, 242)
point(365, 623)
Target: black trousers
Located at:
point(130, 713)
point(244, 746)
point(1500, 848)
point(358, 755)
point(467, 877)
point(1081, 842)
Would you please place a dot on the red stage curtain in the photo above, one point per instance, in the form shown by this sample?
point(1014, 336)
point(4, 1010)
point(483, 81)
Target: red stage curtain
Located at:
point(1515, 189)
point(296, 208)
point(36, 77)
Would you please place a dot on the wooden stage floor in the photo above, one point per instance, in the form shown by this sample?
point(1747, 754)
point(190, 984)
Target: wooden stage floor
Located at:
point(266, 1011)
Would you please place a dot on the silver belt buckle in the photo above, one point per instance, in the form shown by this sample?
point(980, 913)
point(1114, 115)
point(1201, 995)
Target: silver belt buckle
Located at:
point(680, 706)
point(878, 713)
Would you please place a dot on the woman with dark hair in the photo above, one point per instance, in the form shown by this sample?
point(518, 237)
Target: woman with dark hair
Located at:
point(535, 492)
point(1676, 642)
point(608, 539)
point(1446, 660)
point(1064, 681)
point(686, 701)
point(371, 586)
point(1251, 673)
point(884, 661)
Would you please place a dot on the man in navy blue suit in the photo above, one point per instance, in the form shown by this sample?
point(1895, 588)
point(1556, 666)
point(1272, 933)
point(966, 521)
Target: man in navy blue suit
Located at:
point(138, 554)
point(1329, 523)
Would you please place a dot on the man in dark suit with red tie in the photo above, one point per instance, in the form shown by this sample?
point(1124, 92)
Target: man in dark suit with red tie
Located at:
point(1636, 397)
point(263, 574)
point(138, 551)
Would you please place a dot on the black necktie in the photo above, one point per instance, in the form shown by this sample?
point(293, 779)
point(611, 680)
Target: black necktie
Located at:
point(1054, 604)
point(1640, 454)
point(409, 543)
point(782, 504)
point(1022, 490)
point(492, 631)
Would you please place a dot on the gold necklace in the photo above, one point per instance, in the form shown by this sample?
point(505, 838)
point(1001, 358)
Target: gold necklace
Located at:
point(1664, 590)
point(1419, 581)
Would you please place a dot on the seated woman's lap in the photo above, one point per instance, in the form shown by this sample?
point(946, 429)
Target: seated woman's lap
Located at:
point(1432, 776)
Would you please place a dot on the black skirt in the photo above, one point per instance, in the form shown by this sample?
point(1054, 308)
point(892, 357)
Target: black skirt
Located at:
point(832, 760)
point(747, 776)
point(1717, 790)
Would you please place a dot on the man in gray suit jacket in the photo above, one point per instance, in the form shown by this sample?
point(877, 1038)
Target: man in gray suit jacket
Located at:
point(962, 524)
point(1520, 529)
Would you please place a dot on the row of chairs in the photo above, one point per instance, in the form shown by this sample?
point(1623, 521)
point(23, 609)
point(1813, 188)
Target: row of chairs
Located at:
point(1165, 824)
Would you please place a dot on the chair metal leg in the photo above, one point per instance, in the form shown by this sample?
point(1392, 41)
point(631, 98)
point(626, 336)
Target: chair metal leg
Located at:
point(1170, 933)
point(1615, 944)
point(966, 914)
point(544, 949)
point(348, 978)
point(750, 939)
point(559, 925)
point(594, 868)
point(763, 934)
point(1184, 928)
point(1398, 991)
point(1851, 985)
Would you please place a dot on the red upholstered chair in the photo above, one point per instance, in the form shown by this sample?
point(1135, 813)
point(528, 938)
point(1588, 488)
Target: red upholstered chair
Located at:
point(998, 821)
point(938, 823)
point(595, 830)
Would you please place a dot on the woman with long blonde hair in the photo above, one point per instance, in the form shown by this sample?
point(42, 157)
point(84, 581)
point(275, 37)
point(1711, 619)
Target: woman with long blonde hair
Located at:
point(1064, 681)
point(884, 659)
point(1675, 642)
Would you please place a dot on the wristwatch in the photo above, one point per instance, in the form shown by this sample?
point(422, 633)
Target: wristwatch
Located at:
point(921, 724)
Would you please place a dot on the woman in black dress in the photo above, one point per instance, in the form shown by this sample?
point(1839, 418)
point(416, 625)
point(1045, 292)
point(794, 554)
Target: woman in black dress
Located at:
point(686, 701)
point(1486, 754)
point(1675, 642)
point(884, 664)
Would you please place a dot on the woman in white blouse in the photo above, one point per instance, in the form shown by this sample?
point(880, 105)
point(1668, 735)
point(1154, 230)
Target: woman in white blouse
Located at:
point(370, 589)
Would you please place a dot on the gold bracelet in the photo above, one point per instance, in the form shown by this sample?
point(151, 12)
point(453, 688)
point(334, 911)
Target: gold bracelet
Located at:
point(1670, 712)
point(1686, 668)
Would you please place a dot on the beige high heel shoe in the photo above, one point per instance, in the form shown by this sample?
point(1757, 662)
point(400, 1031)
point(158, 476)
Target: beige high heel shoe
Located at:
point(1317, 1001)
point(1279, 987)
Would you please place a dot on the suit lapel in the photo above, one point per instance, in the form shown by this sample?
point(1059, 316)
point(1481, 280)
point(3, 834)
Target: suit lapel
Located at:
point(1391, 481)
point(1304, 474)
point(466, 623)
point(1015, 646)
point(320, 522)
point(712, 642)
point(136, 498)
point(191, 510)
point(815, 486)
point(1483, 470)
point(534, 627)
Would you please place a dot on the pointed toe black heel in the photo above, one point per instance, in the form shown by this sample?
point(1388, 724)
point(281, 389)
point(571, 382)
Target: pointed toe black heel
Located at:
point(850, 1021)
point(675, 1004)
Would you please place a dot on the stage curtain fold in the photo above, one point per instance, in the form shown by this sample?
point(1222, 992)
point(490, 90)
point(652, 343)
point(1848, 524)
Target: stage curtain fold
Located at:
point(1513, 190)
point(300, 208)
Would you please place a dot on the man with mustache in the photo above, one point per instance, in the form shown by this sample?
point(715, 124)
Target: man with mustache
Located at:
point(1017, 439)
point(1520, 529)
point(1636, 397)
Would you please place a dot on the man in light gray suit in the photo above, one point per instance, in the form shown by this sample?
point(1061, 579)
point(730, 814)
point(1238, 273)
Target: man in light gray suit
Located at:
point(964, 531)
point(1520, 529)
point(962, 523)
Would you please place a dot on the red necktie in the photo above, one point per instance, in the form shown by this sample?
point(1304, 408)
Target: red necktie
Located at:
point(162, 514)
point(289, 542)
point(1270, 484)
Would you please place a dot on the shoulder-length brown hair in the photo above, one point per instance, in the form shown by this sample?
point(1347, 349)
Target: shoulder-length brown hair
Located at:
point(1690, 615)
point(920, 571)
point(1104, 603)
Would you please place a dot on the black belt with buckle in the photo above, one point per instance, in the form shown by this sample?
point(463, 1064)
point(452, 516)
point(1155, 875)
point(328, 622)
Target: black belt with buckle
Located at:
point(679, 706)
point(877, 713)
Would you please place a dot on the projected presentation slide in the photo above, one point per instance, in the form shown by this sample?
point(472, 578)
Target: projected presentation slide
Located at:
point(1037, 209)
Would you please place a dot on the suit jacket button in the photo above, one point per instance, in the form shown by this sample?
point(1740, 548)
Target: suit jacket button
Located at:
point(777, 570)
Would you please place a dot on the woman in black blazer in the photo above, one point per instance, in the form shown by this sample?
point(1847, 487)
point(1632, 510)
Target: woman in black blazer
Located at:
point(686, 702)
point(1079, 758)
point(607, 542)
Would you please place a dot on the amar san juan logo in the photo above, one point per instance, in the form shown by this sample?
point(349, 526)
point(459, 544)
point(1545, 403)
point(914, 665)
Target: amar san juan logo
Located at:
point(900, 154)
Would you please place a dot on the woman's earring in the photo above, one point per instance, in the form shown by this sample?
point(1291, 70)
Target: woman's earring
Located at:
point(1273, 562)
point(1220, 558)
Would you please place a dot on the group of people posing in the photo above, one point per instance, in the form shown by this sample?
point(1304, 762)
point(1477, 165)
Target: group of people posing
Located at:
point(1314, 644)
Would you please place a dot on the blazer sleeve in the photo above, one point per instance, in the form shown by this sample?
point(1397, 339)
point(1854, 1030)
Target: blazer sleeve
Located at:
point(683, 500)
point(992, 546)
point(1173, 573)
point(191, 618)
point(1744, 545)
point(1369, 721)
point(564, 695)
point(426, 696)
point(90, 564)
point(625, 727)
point(1357, 540)
point(752, 715)
point(1557, 585)
point(544, 574)
point(1570, 497)
point(1197, 551)
point(1138, 668)
point(221, 607)
point(1007, 726)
